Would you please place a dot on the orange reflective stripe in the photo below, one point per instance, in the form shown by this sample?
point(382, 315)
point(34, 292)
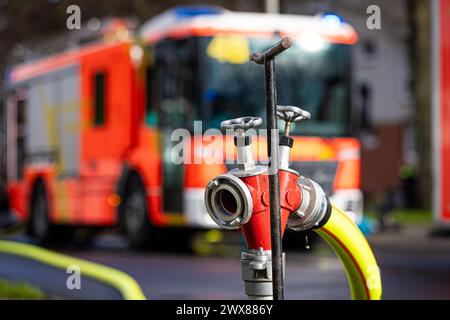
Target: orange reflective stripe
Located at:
point(348, 175)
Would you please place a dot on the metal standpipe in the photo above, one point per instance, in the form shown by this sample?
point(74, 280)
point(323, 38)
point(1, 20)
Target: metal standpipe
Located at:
point(267, 58)
point(256, 269)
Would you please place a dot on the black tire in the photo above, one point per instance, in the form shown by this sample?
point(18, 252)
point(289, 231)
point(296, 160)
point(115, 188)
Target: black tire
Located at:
point(4, 206)
point(134, 215)
point(40, 226)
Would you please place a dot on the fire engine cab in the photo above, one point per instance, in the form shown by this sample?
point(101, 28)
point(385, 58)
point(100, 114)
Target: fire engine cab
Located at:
point(89, 128)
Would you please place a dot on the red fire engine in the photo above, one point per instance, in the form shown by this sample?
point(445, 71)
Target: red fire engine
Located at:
point(88, 129)
point(441, 110)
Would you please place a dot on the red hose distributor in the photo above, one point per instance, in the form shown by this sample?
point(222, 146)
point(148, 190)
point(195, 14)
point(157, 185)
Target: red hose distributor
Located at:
point(257, 230)
point(241, 197)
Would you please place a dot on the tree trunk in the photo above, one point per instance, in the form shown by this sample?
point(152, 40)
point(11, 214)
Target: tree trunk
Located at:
point(420, 46)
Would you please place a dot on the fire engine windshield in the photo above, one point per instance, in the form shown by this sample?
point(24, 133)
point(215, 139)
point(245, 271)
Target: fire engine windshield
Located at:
point(211, 79)
point(313, 74)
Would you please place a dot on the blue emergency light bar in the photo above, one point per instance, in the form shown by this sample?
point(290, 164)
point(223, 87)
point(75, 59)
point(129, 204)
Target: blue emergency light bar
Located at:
point(332, 18)
point(191, 11)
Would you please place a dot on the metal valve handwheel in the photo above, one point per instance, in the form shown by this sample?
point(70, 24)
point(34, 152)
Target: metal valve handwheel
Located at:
point(292, 114)
point(245, 159)
point(243, 123)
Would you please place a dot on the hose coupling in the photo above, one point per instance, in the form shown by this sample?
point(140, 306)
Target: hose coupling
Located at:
point(228, 201)
point(315, 207)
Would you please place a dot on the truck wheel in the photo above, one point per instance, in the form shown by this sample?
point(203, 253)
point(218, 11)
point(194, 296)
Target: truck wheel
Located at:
point(40, 226)
point(136, 224)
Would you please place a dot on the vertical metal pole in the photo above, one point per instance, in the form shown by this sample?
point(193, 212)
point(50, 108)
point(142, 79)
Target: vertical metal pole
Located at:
point(274, 183)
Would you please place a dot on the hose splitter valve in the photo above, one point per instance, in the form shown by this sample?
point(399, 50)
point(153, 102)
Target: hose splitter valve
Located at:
point(240, 199)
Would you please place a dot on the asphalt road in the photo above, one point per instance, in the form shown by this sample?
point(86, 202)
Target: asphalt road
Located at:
point(413, 266)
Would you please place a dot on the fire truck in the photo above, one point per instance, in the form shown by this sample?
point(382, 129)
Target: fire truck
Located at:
point(441, 111)
point(89, 128)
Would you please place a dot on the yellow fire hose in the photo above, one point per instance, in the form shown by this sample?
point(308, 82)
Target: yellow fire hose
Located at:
point(355, 253)
point(124, 283)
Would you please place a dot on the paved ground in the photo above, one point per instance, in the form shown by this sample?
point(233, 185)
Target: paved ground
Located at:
point(413, 265)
